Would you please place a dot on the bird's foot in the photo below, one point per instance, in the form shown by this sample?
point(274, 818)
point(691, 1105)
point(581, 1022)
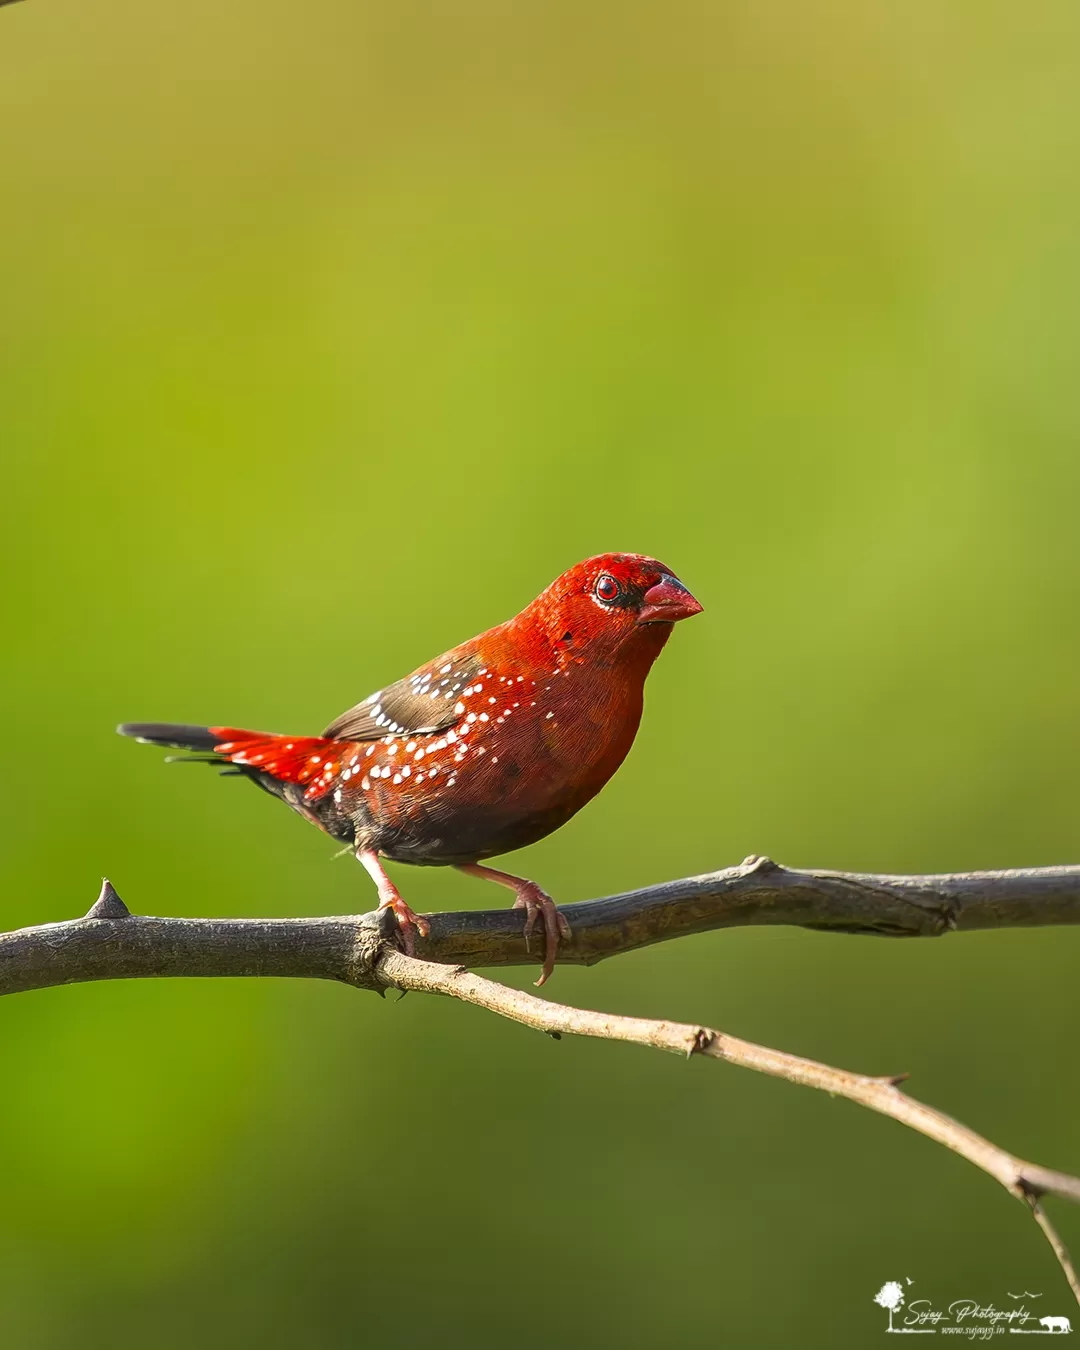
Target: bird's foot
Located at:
point(408, 922)
point(538, 904)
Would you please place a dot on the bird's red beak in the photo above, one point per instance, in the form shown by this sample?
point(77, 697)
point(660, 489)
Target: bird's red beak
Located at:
point(667, 602)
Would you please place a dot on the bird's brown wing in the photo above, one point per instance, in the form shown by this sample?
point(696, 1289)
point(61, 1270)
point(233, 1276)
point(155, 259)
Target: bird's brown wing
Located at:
point(420, 704)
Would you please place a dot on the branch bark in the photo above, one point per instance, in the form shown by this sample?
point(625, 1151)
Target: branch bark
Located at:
point(111, 943)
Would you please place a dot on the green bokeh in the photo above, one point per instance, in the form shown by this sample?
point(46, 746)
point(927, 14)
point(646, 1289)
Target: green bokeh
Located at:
point(332, 332)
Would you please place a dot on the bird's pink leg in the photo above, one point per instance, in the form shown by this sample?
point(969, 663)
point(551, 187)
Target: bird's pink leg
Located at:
point(409, 923)
point(534, 902)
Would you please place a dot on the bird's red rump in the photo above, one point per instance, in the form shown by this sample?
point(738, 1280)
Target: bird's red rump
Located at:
point(314, 760)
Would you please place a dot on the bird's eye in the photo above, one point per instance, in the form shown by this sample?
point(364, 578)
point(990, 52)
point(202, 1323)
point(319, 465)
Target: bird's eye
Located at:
point(608, 589)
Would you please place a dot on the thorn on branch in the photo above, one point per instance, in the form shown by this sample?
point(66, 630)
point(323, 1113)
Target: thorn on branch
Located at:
point(702, 1039)
point(895, 1079)
point(108, 905)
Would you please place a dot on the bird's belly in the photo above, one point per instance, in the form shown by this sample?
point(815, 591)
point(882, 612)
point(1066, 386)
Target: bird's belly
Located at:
point(431, 839)
point(452, 826)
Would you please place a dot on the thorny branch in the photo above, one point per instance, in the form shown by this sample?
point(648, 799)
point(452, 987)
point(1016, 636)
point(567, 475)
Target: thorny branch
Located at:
point(111, 943)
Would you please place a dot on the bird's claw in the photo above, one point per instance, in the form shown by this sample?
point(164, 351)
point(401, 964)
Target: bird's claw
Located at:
point(538, 904)
point(408, 922)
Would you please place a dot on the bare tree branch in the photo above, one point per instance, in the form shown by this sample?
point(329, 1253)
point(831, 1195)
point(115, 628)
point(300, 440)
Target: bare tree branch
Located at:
point(111, 943)
point(1026, 1181)
point(757, 891)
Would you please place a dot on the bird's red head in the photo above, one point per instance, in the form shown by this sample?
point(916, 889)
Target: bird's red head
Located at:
point(612, 605)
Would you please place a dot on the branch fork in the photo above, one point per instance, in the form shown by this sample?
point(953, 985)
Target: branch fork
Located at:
point(110, 942)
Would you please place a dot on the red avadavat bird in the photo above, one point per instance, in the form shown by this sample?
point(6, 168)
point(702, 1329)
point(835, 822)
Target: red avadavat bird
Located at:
point(487, 748)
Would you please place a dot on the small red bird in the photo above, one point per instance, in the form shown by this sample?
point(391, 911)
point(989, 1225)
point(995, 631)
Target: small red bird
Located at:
point(485, 749)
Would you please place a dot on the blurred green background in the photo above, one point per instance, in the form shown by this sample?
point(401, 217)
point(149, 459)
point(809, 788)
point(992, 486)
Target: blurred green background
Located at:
point(331, 333)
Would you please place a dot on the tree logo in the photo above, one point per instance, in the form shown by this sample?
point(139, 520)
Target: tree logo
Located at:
point(891, 1297)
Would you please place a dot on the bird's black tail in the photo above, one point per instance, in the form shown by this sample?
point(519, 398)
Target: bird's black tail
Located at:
point(295, 768)
point(171, 733)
